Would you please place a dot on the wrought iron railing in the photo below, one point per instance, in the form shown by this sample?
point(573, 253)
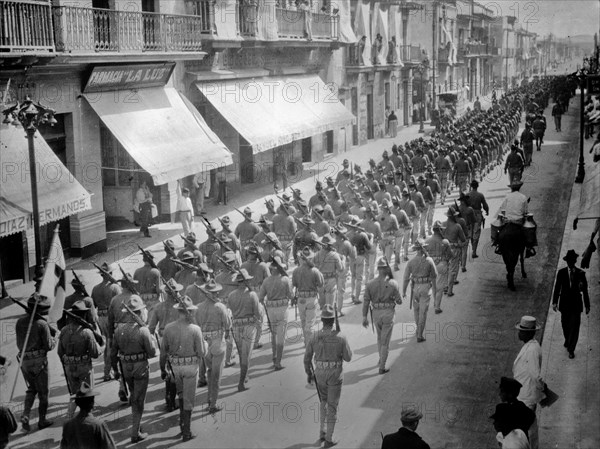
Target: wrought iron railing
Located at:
point(411, 53)
point(26, 26)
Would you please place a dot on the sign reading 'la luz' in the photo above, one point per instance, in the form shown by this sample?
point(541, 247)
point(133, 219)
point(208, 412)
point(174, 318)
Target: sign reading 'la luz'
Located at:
point(120, 77)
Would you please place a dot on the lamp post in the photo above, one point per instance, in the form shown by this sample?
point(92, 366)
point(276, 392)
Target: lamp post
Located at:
point(422, 69)
point(31, 115)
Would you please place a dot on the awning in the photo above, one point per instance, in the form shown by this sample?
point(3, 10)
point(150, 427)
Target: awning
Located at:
point(273, 111)
point(589, 201)
point(59, 193)
point(162, 132)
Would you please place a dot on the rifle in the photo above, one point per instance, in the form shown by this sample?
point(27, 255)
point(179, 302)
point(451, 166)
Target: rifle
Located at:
point(412, 290)
point(168, 250)
point(175, 295)
point(358, 228)
point(106, 274)
point(279, 267)
point(211, 232)
point(242, 214)
point(312, 373)
point(184, 264)
point(37, 315)
point(371, 313)
point(84, 291)
point(189, 242)
point(255, 246)
point(390, 272)
point(337, 321)
point(66, 378)
point(130, 285)
point(83, 323)
point(148, 257)
point(120, 368)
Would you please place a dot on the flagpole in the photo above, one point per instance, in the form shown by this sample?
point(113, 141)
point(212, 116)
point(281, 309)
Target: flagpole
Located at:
point(24, 347)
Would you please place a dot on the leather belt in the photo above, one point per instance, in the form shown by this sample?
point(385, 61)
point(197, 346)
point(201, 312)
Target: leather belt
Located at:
point(421, 280)
point(278, 303)
point(284, 237)
point(384, 305)
point(307, 293)
point(102, 312)
point(390, 233)
point(212, 334)
point(139, 357)
point(456, 245)
point(243, 321)
point(182, 361)
point(328, 364)
point(75, 359)
point(149, 296)
point(35, 354)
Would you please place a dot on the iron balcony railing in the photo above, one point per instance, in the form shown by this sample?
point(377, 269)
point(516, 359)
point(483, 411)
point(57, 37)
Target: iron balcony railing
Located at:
point(26, 26)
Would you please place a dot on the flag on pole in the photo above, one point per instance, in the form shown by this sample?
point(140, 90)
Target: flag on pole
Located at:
point(53, 284)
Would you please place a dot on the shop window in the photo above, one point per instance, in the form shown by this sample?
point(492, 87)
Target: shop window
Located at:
point(118, 167)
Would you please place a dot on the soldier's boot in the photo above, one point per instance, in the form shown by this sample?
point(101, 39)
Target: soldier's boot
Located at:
point(383, 355)
point(257, 343)
point(42, 410)
point(29, 398)
point(136, 432)
point(171, 396)
point(181, 415)
point(186, 431)
point(279, 356)
point(323, 418)
point(243, 378)
point(397, 259)
point(451, 279)
point(475, 244)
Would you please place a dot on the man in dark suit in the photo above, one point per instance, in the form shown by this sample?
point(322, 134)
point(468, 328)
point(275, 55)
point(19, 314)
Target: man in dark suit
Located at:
point(571, 284)
point(406, 437)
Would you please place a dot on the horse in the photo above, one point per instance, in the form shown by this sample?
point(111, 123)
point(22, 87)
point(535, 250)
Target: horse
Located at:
point(511, 245)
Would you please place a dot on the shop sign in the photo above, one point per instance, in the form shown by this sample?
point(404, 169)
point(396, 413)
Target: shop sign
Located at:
point(122, 77)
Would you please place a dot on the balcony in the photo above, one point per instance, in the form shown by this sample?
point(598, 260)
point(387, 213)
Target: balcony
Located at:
point(411, 54)
point(473, 50)
point(26, 27)
point(85, 30)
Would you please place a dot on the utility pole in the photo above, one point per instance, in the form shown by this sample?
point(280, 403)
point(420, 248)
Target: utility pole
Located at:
point(435, 26)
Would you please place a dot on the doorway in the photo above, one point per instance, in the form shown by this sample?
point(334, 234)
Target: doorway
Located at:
point(405, 103)
point(370, 125)
point(307, 149)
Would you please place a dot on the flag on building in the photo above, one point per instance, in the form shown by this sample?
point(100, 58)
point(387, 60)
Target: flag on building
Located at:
point(53, 284)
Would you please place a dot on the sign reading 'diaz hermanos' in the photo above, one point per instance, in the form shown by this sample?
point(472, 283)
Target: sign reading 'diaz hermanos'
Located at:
point(120, 77)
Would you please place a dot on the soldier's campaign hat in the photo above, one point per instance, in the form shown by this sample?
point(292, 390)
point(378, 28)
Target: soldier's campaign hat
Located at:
point(226, 220)
point(452, 212)
point(147, 255)
point(571, 255)
point(212, 286)
point(410, 415)
point(78, 306)
point(329, 180)
point(510, 385)
point(395, 200)
point(242, 276)
point(412, 183)
point(516, 184)
point(318, 185)
point(247, 211)
point(307, 220)
point(43, 303)
point(252, 249)
point(224, 237)
point(204, 268)
point(405, 192)
point(286, 197)
point(270, 202)
point(390, 175)
point(327, 239)
point(191, 237)
point(421, 178)
point(187, 256)
point(277, 263)
point(340, 229)
point(438, 225)
point(135, 303)
point(528, 323)
point(306, 253)
point(327, 312)
point(387, 204)
point(85, 391)
point(345, 163)
point(419, 245)
point(474, 183)
point(382, 263)
point(128, 279)
point(229, 257)
point(110, 268)
point(318, 209)
point(185, 303)
point(369, 173)
point(264, 222)
point(173, 285)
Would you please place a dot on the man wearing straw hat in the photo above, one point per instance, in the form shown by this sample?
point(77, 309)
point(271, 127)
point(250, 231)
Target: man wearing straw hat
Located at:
point(183, 346)
point(527, 369)
point(34, 340)
point(571, 286)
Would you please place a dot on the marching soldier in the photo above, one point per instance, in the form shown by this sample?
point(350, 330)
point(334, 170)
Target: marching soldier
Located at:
point(403, 233)
point(462, 171)
point(266, 226)
point(168, 268)
point(363, 245)
point(410, 209)
point(246, 230)
point(468, 215)
point(417, 198)
point(258, 271)
point(344, 171)
point(441, 254)
point(284, 227)
point(225, 248)
point(149, 283)
point(133, 345)
point(245, 310)
point(307, 280)
point(80, 294)
point(381, 296)
point(34, 365)
point(277, 289)
point(428, 199)
point(270, 204)
point(348, 254)
point(314, 200)
point(189, 245)
point(165, 313)
point(434, 186)
point(456, 236)
point(210, 246)
point(272, 247)
point(389, 230)
point(181, 350)
point(371, 226)
point(203, 275)
point(514, 165)
point(330, 349)
point(235, 243)
point(321, 226)
point(187, 275)
point(102, 294)
point(420, 271)
point(213, 319)
point(331, 266)
point(226, 268)
point(305, 236)
point(77, 346)
point(479, 204)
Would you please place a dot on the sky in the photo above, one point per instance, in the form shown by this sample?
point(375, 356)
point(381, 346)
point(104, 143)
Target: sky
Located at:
point(560, 17)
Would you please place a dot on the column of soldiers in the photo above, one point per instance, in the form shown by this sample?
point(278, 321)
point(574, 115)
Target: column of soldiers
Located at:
point(195, 305)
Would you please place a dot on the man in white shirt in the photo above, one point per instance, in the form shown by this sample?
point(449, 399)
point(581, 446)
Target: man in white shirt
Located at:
point(527, 369)
point(515, 204)
point(185, 209)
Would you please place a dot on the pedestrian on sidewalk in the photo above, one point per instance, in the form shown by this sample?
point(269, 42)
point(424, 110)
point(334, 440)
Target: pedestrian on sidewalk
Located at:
point(407, 436)
point(527, 370)
point(185, 209)
point(557, 112)
point(393, 124)
point(509, 392)
point(570, 286)
point(509, 435)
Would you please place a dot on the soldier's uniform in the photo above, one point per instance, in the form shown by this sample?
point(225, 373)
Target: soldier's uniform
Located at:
point(134, 345)
point(347, 252)
point(183, 346)
point(331, 266)
point(363, 245)
point(440, 252)
point(149, 285)
point(329, 350)
point(34, 365)
point(76, 349)
point(403, 233)
point(410, 209)
point(187, 275)
point(102, 294)
point(421, 273)
point(462, 171)
point(307, 280)
point(514, 165)
point(213, 319)
point(389, 231)
point(382, 294)
point(190, 245)
point(419, 201)
point(246, 313)
point(305, 236)
point(277, 290)
point(168, 268)
point(479, 204)
point(321, 226)
point(259, 272)
point(456, 236)
point(80, 295)
point(211, 246)
point(466, 213)
point(246, 230)
point(284, 227)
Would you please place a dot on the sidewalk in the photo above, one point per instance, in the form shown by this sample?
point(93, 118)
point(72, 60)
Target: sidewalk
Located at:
point(572, 422)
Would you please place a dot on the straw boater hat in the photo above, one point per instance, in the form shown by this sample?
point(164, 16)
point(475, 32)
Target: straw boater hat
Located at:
point(528, 323)
point(185, 303)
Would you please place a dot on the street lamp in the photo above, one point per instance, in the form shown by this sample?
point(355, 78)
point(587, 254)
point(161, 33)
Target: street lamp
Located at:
point(422, 68)
point(31, 115)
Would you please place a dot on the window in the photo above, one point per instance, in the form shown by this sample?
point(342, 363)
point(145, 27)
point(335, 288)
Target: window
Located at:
point(328, 141)
point(118, 167)
point(387, 95)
